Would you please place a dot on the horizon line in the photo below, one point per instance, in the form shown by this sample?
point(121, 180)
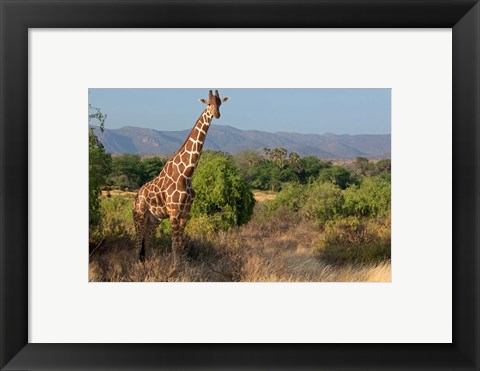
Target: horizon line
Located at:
point(236, 128)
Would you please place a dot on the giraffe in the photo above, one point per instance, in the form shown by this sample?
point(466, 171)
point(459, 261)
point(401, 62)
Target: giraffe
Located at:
point(170, 194)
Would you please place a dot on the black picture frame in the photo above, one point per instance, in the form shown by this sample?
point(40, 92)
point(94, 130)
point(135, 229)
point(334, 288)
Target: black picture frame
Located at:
point(17, 16)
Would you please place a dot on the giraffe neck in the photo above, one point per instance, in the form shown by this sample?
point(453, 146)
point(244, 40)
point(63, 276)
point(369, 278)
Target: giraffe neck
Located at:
point(190, 152)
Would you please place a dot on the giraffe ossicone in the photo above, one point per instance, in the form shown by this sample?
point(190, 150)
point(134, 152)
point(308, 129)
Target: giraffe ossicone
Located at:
point(170, 194)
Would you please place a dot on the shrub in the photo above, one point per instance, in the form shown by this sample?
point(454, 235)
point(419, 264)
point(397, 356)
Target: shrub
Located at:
point(371, 198)
point(265, 175)
point(99, 167)
point(383, 166)
point(292, 197)
point(129, 170)
point(355, 240)
point(316, 201)
point(152, 167)
point(117, 216)
point(269, 221)
point(222, 194)
point(311, 167)
point(203, 226)
point(337, 175)
point(324, 202)
point(121, 182)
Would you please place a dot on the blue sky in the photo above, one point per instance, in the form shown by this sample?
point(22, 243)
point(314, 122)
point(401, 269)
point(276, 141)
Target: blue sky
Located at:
point(339, 111)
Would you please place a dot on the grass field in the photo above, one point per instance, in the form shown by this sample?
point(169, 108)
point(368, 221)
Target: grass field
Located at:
point(279, 248)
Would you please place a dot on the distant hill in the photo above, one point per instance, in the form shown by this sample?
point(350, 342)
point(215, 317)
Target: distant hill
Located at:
point(229, 139)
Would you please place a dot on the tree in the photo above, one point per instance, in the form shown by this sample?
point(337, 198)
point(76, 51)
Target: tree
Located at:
point(288, 174)
point(246, 159)
point(311, 167)
point(222, 195)
point(294, 161)
point(324, 202)
point(363, 167)
point(383, 166)
point(99, 163)
point(132, 167)
point(337, 175)
point(293, 158)
point(279, 156)
point(265, 175)
point(152, 167)
point(371, 198)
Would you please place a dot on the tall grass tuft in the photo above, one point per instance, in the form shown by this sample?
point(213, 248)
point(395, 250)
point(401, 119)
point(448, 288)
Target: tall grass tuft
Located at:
point(356, 241)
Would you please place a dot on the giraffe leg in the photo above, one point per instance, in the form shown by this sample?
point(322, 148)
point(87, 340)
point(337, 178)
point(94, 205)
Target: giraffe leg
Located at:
point(140, 224)
point(149, 232)
point(178, 226)
point(182, 243)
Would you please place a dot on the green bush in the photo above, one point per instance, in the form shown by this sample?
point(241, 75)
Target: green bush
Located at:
point(265, 175)
point(317, 201)
point(355, 240)
point(99, 163)
point(324, 202)
point(292, 196)
point(372, 198)
point(222, 194)
point(203, 227)
point(117, 216)
point(311, 167)
point(337, 175)
point(128, 170)
point(152, 167)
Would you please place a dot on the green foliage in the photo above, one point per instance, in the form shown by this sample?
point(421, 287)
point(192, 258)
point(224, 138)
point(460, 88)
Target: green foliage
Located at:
point(317, 201)
point(372, 198)
point(117, 216)
point(265, 175)
point(246, 159)
point(365, 168)
point(383, 166)
point(120, 182)
point(337, 175)
point(355, 240)
point(99, 163)
point(279, 157)
point(292, 196)
point(130, 166)
point(131, 171)
point(288, 174)
point(275, 168)
point(310, 168)
point(222, 194)
point(117, 220)
point(324, 202)
point(152, 167)
point(203, 226)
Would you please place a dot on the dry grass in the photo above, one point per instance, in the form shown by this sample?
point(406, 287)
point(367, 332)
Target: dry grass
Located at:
point(118, 192)
point(280, 249)
point(261, 196)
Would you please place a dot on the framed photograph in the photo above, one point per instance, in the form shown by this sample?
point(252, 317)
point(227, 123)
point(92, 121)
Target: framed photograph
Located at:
point(323, 217)
point(265, 192)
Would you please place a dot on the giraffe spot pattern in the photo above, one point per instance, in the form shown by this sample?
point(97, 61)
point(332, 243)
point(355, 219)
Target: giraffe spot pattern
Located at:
point(170, 194)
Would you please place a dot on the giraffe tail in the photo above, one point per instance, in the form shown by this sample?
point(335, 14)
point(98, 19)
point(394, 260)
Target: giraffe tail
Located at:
point(142, 251)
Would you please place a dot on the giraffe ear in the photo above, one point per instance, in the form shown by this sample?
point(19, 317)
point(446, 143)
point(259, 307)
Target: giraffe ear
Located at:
point(225, 99)
point(203, 101)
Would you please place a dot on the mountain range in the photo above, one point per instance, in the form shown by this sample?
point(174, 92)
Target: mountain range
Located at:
point(226, 138)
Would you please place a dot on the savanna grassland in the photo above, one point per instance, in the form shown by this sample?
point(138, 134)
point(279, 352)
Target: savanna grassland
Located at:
point(258, 217)
point(266, 249)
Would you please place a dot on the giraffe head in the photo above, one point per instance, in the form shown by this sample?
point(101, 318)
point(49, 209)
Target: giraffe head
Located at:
point(214, 102)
